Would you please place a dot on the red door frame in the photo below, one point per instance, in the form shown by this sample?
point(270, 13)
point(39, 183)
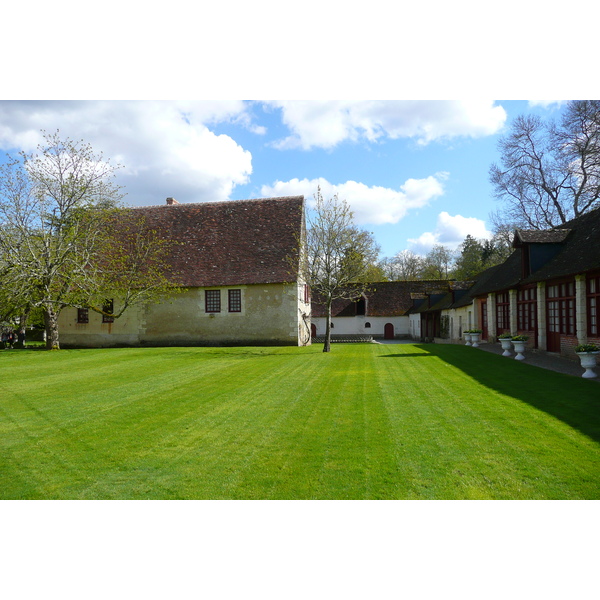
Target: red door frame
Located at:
point(484, 319)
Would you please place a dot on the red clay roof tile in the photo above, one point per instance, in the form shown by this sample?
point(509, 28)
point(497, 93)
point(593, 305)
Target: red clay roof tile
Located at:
point(236, 242)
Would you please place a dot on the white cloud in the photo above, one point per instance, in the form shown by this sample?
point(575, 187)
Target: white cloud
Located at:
point(549, 104)
point(450, 231)
point(169, 143)
point(325, 124)
point(374, 205)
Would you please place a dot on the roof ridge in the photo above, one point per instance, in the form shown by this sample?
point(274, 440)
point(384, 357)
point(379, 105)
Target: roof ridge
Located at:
point(223, 202)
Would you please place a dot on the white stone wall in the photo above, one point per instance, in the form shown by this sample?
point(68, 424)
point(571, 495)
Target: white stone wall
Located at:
point(459, 322)
point(270, 314)
point(414, 325)
point(357, 325)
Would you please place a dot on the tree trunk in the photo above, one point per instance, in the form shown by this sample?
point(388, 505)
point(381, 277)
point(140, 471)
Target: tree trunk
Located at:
point(327, 344)
point(51, 324)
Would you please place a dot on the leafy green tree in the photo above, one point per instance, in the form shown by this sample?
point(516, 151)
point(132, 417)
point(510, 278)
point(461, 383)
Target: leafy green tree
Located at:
point(66, 242)
point(469, 262)
point(339, 256)
point(476, 255)
point(437, 263)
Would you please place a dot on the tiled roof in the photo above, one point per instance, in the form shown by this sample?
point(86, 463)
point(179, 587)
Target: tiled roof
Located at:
point(434, 302)
point(384, 299)
point(578, 252)
point(235, 242)
point(501, 277)
point(548, 236)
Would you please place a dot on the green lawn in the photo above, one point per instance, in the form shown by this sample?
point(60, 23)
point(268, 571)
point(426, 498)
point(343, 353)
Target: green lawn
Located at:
point(365, 421)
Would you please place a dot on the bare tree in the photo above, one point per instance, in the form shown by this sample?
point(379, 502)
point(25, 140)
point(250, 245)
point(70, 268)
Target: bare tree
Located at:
point(387, 268)
point(550, 173)
point(404, 265)
point(339, 255)
point(63, 242)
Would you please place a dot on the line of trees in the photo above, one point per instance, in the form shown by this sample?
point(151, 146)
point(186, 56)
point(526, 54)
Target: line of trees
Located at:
point(473, 256)
point(548, 174)
point(65, 240)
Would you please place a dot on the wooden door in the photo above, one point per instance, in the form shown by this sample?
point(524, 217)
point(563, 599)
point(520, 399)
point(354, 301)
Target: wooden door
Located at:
point(553, 328)
point(388, 331)
point(484, 320)
point(560, 313)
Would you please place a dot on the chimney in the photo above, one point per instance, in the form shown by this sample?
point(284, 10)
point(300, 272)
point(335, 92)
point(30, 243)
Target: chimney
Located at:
point(171, 201)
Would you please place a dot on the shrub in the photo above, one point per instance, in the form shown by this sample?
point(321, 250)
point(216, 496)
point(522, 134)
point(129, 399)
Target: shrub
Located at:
point(587, 348)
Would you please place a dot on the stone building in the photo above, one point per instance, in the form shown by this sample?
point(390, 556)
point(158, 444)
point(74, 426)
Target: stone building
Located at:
point(382, 312)
point(232, 263)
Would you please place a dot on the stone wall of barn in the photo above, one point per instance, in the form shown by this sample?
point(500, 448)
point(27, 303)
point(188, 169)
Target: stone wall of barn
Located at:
point(261, 314)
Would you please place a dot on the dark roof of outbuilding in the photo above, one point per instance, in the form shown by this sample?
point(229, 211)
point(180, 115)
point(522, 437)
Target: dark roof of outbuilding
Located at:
point(384, 299)
point(545, 236)
point(580, 251)
point(234, 242)
point(579, 243)
point(501, 277)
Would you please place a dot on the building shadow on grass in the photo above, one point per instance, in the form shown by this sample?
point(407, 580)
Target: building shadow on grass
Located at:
point(573, 400)
point(409, 355)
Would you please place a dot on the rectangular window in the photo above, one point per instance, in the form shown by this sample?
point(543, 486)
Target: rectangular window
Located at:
point(83, 315)
point(108, 307)
point(526, 309)
point(235, 300)
point(593, 305)
point(561, 308)
point(502, 312)
point(212, 301)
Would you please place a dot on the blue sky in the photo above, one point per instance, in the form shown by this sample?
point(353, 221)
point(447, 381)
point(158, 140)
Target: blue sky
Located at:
point(414, 172)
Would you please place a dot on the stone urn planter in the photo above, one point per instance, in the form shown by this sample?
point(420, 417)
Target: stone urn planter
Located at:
point(475, 337)
point(506, 344)
point(467, 337)
point(587, 356)
point(518, 341)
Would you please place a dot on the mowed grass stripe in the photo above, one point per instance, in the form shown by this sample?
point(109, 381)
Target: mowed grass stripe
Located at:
point(365, 421)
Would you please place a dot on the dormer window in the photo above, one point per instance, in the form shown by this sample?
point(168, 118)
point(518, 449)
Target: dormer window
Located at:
point(538, 247)
point(361, 306)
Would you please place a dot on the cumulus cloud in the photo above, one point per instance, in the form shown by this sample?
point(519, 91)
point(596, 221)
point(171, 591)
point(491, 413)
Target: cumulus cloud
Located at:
point(450, 231)
point(167, 148)
point(325, 124)
point(374, 205)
